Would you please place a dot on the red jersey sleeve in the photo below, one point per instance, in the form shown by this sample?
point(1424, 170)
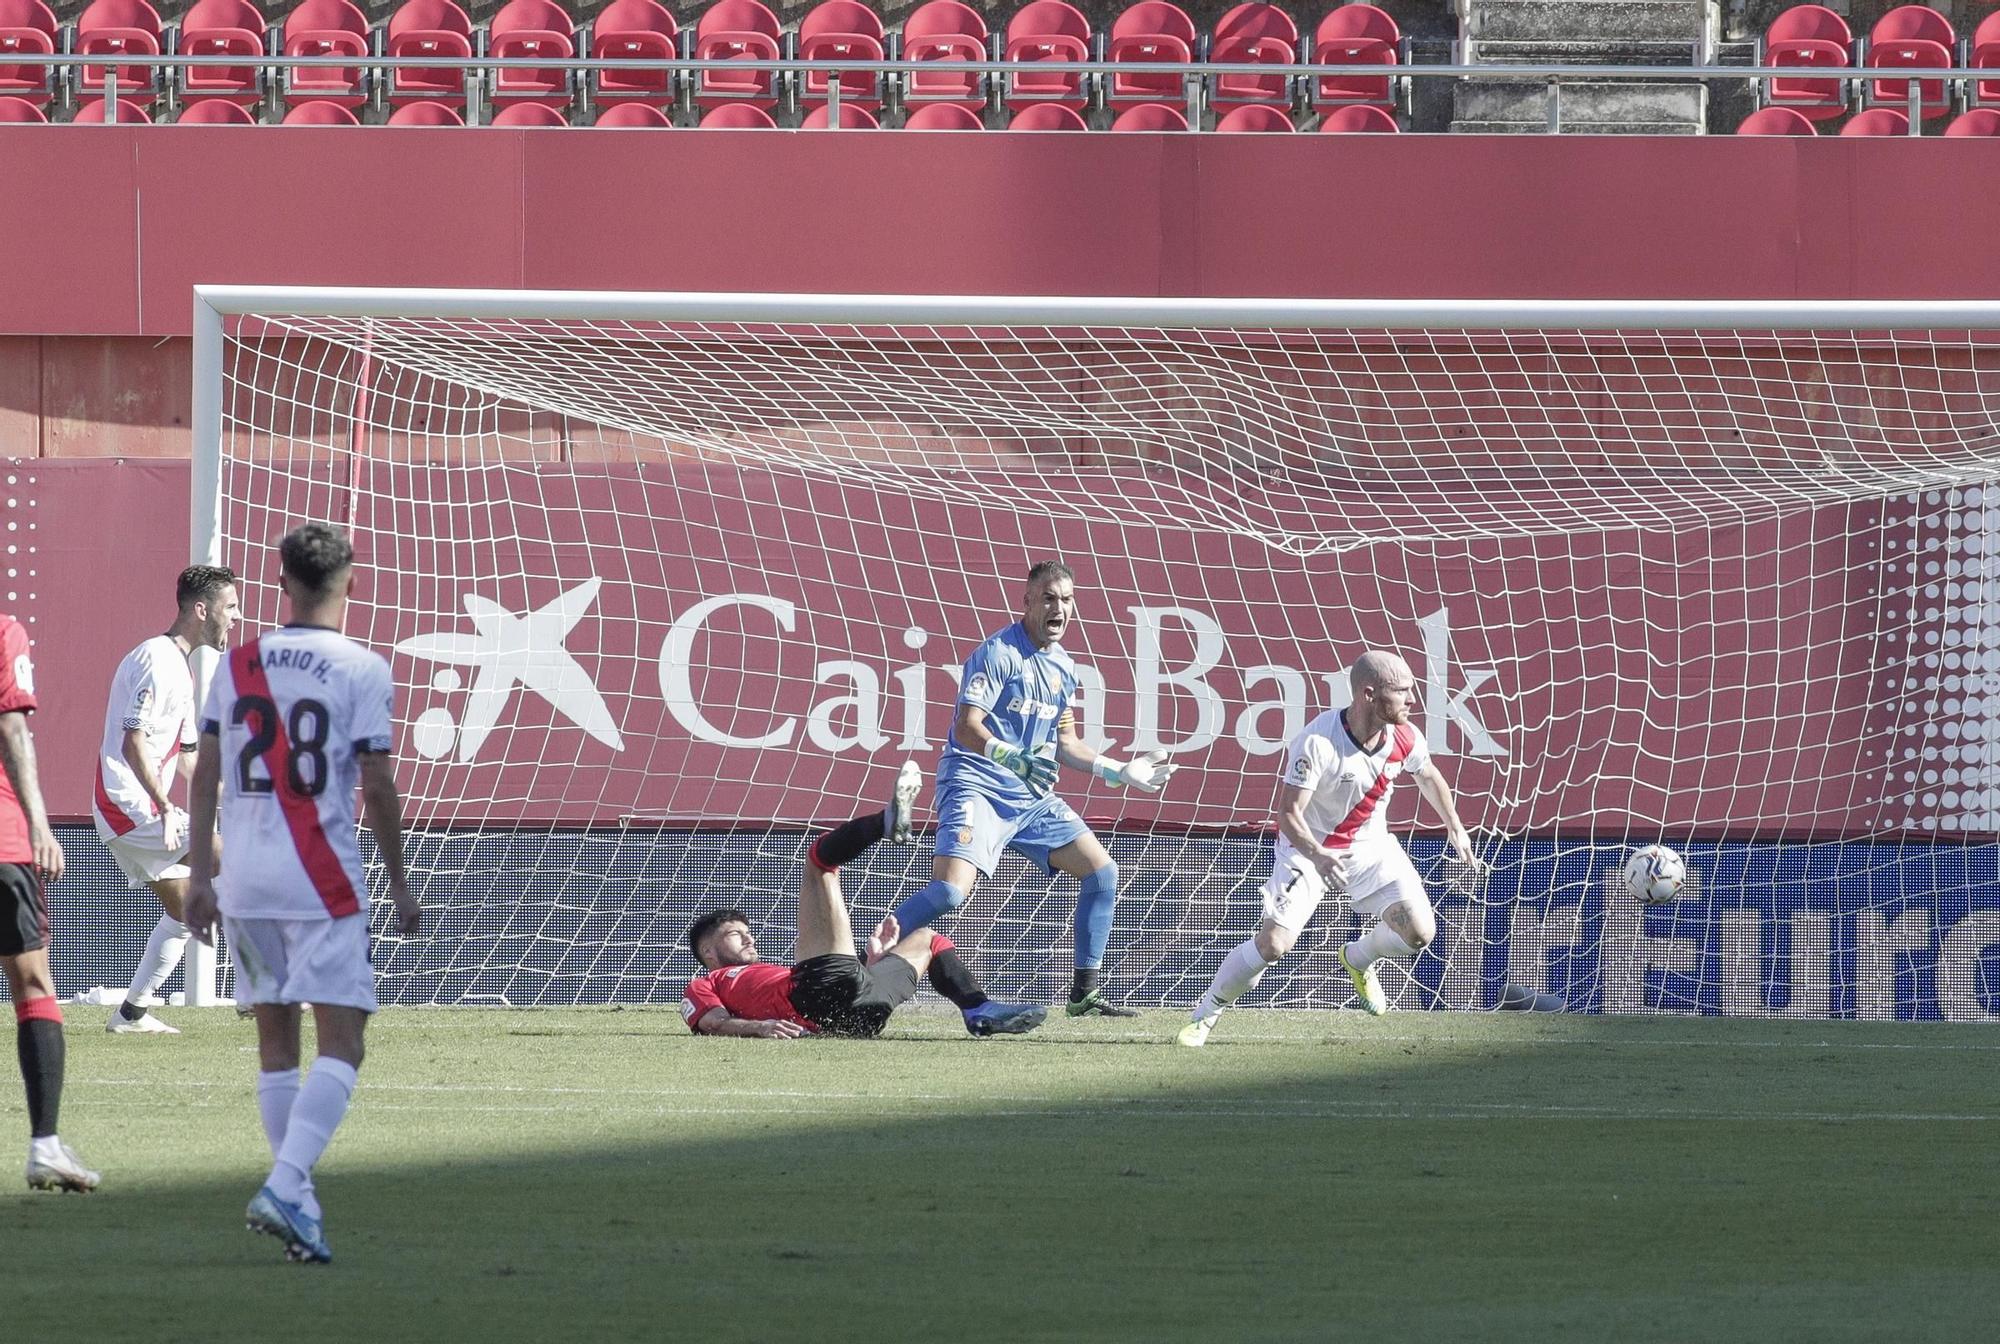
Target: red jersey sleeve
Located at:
point(699, 1000)
point(17, 670)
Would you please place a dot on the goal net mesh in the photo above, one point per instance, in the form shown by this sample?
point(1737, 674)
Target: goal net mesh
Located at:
point(663, 597)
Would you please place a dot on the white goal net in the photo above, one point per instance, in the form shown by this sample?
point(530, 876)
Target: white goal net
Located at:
point(668, 582)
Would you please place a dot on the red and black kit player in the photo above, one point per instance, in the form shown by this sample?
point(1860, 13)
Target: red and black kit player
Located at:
point(30, 858)
point(831, 990)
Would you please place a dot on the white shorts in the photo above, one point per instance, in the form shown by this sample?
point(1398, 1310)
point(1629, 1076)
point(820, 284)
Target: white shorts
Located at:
point(1379, 875)
point(142, 852)
point(322, 961)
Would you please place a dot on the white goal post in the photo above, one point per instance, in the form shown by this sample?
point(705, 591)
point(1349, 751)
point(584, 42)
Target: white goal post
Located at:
point(668, 580)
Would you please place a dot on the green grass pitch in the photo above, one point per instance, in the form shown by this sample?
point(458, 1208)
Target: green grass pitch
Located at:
point(599, 1175)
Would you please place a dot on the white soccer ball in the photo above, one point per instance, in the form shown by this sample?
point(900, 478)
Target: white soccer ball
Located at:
point(1655, 874)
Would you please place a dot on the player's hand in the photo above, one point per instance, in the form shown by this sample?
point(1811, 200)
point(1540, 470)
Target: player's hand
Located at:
point(1461, 845)
point(47, 854)
point(1332, 865)
point(887, 934)
point(174, 829)
point(1036, 770)
point(1148, 774)
point(777, 1029)
point(409, 915)
point(198, 909)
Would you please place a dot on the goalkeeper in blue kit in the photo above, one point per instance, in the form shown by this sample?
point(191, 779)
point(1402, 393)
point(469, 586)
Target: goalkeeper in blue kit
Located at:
point(1011, 729)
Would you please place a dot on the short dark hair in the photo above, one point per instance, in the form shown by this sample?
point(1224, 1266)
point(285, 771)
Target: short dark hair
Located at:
point(1048, 571)
point(201, 583)
point(313, 553)
point(705, 927)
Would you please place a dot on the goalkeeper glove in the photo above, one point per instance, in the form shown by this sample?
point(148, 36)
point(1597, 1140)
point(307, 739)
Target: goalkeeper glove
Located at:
point(1148, 774)
point(1038, 772)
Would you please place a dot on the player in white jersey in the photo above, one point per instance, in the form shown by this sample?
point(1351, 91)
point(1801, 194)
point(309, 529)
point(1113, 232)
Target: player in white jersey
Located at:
point(1333, 835)
point(148, 740)
point(293, 720)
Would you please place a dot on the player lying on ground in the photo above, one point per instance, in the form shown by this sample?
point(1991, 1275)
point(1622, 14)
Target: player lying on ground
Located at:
point(293, 721)
point(830, 989)
point(148, 739)
point(30, 858)
point(1012, 727)
point(1333, 835)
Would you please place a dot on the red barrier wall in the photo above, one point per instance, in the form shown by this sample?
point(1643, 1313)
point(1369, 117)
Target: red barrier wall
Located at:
point(127, 220)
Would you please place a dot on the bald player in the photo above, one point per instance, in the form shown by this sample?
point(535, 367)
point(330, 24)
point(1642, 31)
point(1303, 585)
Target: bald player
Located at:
point(1333, 836)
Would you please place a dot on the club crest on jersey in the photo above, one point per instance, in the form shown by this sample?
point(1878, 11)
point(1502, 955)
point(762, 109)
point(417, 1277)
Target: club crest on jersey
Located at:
point(24, 674)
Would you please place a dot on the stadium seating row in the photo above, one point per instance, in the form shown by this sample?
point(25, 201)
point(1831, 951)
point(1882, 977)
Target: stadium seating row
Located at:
point(1051, 32)
point(1875, 121)
point(1911, 37)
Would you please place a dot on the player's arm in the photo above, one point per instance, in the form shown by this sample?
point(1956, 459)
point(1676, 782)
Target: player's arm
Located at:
point(968, 729)
point(1148, 774)
point(385, 822)
point(1292, 801)
point(17, 757)
point(133, 748)
point(1431, 784)
point(198, 908)
point(718, 1022)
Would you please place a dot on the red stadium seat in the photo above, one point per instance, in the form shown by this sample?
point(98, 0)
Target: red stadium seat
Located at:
point(535, 30)
point(1358, 119)
point(1912, 37)
point(425, 114)
point(945, 30)
point(326, 28)
point(118, 28)
point(1052, 31)
point(1878, 121)
point(738, 117)
point(1808, 35)
point(27, 28)
point(737, 30)
point(1356, 35)
point(851, 119)
point(842, 29)
point(943, 117)
point(1256, 117)
point(1979, 121)
point(633, 116)
point(428, 28)
point(1149, 32)
point(1776, 121)
point(1254, 34)
point(15, 111)
point(1047, 117)
point(638, 30)
point(1986, 56)
point(529, 114)
point(130, 113)
point(321, 113)
point(216, 112)
point(222, 28)
point(1151, 117)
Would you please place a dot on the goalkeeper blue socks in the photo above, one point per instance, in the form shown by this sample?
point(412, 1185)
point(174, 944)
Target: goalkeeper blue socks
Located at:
point(924, 908)
point(1095, 902)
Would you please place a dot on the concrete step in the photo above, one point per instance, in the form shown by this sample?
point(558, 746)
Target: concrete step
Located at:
point(1648, 23)
point(1574, 128)
point(1521, 100)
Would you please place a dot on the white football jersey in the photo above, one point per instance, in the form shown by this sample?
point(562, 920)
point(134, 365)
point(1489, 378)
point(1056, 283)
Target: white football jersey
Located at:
point(152, 691)
point(293, 710)
point(1350, 784)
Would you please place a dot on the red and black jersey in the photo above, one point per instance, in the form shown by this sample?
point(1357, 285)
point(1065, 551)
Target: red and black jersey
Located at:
point(760, 991)
point(17, 692)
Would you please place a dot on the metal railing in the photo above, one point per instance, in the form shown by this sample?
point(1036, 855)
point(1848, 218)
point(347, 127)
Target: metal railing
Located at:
point(1093, 78)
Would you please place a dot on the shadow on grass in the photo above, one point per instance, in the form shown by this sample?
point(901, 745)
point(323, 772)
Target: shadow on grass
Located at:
point(1345, 1185)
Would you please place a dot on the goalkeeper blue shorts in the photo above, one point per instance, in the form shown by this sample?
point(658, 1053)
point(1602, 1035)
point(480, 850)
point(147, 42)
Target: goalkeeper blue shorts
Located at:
point(975, 827)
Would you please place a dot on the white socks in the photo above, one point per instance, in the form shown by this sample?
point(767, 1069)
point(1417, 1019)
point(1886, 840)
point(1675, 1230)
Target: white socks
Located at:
point(276, 1094)
point(47, 1148)
point(1379, 942)
point(321, 1103)
point(163, 952)
point(1238, 975)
